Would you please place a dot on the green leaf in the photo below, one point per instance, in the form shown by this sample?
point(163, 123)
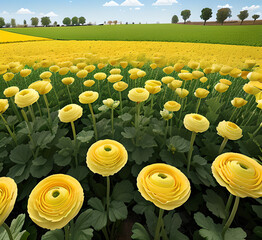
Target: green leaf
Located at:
point(139, 232)
point(117, 211)
point(80, 173)
point(141, 155)
point(171, 159)
point(147, 141)
point(85, 136)
point(258, 210)
point(123, 191)
point(215, 204)
point(96, 204)
point(98, 219)
point(63, 158)
point(235, 234)
point(85, 234)
point(258, 231)
point(41, 139)
point(65, 142)
point(21, 154)
point(199, 160)
point(126, 117)
point(129, 132)
point(82, 221)
point(151, 221)
point(142, 205)
point(41, 167)
point(57, 234)
point(178, 144)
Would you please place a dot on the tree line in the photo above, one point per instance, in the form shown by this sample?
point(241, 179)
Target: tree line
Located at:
point(221, 16)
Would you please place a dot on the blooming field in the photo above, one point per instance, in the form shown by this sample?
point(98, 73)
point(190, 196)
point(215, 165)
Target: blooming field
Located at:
point(165, 146)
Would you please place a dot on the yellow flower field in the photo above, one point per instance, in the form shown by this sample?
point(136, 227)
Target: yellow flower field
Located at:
point(6, 37)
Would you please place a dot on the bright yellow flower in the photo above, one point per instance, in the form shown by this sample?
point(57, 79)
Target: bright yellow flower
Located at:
point(172, 106)
point(8, 195)
point(185, 76)
point(197, 74)
point(221, 87)
point(229, 130)
point(138, 94)
point(153, 66)
point(244, 74)
point(54, 68)
point(101, 65)
point(82, 74)
point(193, 65)
point(8, 76)
point(238, 102)
point(141, 73)
point(250, 89)
point(167, 79)
point(120, 86)
point(235, 73)
point(90, 68)
point(225, 81)
point(114, 78)
point(100, 76)
point(89, 83)
point(207, 70)
point(123, 64)
point(201, 93)
point(115, 71)
point(63, 71)
point(241, 175)
point(133, 71)
point(3, 105)
point(68, 80)
point(11, 91)
point(74, 69)
point(45, 75)
point(203, 79)
point(81, 65)
point(106, 157)
point(181, 92)
point(216, 68)
point(25, 72)
point(225, 70)
point(178, 66)
point(153, 86)
point(168, 70)
point(259, 104)
point(70, 113)
point(255, 76)
point(26, 97)
point(175, 84)
point(166, 115)
point(55, 201)
point(196, 123)
point(164, 185)
point(42, 87)
point(250, 63)
point(88, 97)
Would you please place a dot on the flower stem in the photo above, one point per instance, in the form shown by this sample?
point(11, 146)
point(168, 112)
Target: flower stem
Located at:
point(31, 112)
point(107, 195)
point(66, 232)
point(222, 146)
point(105, 233)
point(39, 109)
point(138, 105)
point(26, 119)
point(152, 102)
point(170, 128)
point(121, 104)
point(48, 110)
point(159, 223)
point(231, 217)
point(15, 109)
point(69, 93)
point(108, 87)
point(256, 131)
point(198, 105)
point(234, 112)
point(8, 231)
point(94, 120)
point(189, 156)
point(12, 134)
point(75, 148)
point(229, 202)
point(163, 231)
point(112, 122)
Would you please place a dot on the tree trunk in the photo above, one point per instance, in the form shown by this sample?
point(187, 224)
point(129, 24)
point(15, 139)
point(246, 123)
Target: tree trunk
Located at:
point(241, 22)
point(184, 21)
point(205, 22)
point(222, 23)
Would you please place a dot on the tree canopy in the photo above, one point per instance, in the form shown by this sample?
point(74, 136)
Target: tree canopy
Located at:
point(175, 19)
point(45, 21)
point(206, 13)
point(243, 15)
point(185, 14)
point(2, 22)
point(223, 14)
point(13, 22)
point(82, 20)
point(255, 17)
point(75, 21)
point(67, 21)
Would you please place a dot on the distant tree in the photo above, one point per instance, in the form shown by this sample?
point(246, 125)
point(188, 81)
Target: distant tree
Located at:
point(2, 22)
point(8, 25)
point(75, 21)
point(223, 14)
point(24, 22)
point(45, 21)
point(206, 13)
point(185, 15)
point(55, 24)
point(34, 21)
point(13, 22)
point(67, 21)
point(175, 19)
point(109, 22)
point(255, 17)
point(82, 20)
point(243, 15)
point(115, 22)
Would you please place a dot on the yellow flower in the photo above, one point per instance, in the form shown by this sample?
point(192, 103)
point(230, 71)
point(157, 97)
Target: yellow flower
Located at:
point(82, 74)
point(255, 76)
point(235, 73)
point(54, 68)
point(153, 66)
point(168, 70)
point(112, 62)
point(221, 87)
point(241, 175)
point(45, 75)
point(100, 76)
point(175, 84)
point(193, 65)
point(259, 104)
point(181, 92)
point(164, 185)
point(172, 106)
point(68, 80)
point(70, 113)
point(197, 74)
point(225, 70)
point(8, 76)
point(225, 81)
point(3, 105)
point(203, 79)
point(244, 74)
point(153, 86)
point(133, 71)
point(138, 94)
point(216, 68)
point(114, 78)
point(250, 63)
point(89, 83)
point(166, 115)
point(250, 89)
point(256, 84)
point(167, 79)
point(25, 72)
point(120, 86)
point(55, 201)
point(88, 97)
point(106, 157)
point(141, 73)
point(185, 76)
point(101, 65)
point(196, 123)
point(110, 103)
point(184, 71)
point(63, 71)
point(207, 70)
point(74, 69)
point(81, 65)
point(42, 87)
point(115, 71)
point(201, 93)
point(123, 64)
point(178, 66)
point(90, 68)
point(11, 91)
point(259, 96)
point(26, 97)
point(229, 130)
point(3, 69)
point(8, 195)
point(238, 102)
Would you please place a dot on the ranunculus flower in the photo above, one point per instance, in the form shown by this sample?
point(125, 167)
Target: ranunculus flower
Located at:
point(68, 80)
point(123, 64)
point(25, 72)
point(168, 70)
point(26, 97)
point(225, 70)
point(255, 76)
point(175, 84)
point(120, 86)
point(172, 106)
point(89, 83)
point(8, 194)
point(153, 66)
point(106, 157)
point(55, 201)
point(114, 78)
point(167, 79)
point(178, 66)
point(225, 81)
point(235, 73)
point(8, 76)
point(229, 130)
point(241, 175)
point(70, 113)
point(193, 65)
point(259, 104)
point(90, 68)
point(88, 97)
point(82, 73)
point(238, 102)
point(153, 86)
point(164, 185)
point(250, 89)
point(3, 105)
point(207, 70)
point(196, 123)
point(181, 92)
point(45, 75)
point(138, 94)
point(63, 71)
point(100, 76)
point(197, 74)
point(201, 93)
point(81, 65)
point(185, 76)
point(111, 103)
point(203, 79)
point(216, 68)
point(101, 65)
point(250, 63)
point(74, 69)
point(115, 71)
point(221, 87)
point(141, 73)
point(42, 87)
point(54, 68)
point(11, 91)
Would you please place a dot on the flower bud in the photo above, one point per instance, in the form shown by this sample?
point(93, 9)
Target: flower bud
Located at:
point(166, 115)
point(110, 103)
point(89, 83)
point(201, 93)
point(238, 102)
point(11, 91)
point(172, 106)
point(221, 87)
point(181, 92)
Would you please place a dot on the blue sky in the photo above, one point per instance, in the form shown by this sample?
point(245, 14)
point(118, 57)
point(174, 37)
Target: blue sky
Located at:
point(150, 11)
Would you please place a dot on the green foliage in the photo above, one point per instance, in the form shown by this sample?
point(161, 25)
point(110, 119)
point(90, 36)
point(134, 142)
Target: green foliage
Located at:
point(67, 21)
point(255, 17)
point(243, 15)
point(82, 20)
point(45, 21)
point(223, 14)
point(2, 22)
point(206, 13)
point(185, 15)
point(13, 22)
point(139, 232)
point(175, 19)
point(34, 21)
point(75, 21)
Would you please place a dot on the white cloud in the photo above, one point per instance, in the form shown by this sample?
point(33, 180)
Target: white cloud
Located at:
point(225, 6)
point(132, 3)
point(24, 11)
point(4, 13)
point(251, 8)
point(137, 8)
point(164, 2)
point(111, 4)
point(51, 14)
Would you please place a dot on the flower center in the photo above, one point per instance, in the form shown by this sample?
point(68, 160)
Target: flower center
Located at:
point(162, 175)
point(243, 166)
point(139, 90)
point(232, 125)
point(23, 93)
point(55, 194)
point(88, 94)
point(107, 148)
point(68, 108)
point(198, 118)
